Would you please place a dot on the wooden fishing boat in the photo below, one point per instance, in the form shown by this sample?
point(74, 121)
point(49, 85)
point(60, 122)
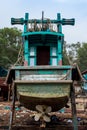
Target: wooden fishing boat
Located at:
point(43, 82)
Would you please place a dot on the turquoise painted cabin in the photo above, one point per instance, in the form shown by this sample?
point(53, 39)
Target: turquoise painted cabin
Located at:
point(42, 46)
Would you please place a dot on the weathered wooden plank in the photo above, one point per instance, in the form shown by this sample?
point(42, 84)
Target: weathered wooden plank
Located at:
point(46, 81)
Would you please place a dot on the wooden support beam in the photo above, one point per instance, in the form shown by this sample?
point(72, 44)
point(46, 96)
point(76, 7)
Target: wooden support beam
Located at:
point(73, 106)
point(13, 106)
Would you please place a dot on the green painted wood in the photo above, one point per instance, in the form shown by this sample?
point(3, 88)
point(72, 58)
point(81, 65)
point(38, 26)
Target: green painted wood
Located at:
point(48, 90)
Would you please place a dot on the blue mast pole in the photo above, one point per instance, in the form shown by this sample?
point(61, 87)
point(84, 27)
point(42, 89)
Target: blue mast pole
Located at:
point(26, 42)
point(59, 43)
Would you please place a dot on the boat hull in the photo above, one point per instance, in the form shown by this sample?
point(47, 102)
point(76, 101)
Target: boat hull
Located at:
point(56, 103)
point(54, 94)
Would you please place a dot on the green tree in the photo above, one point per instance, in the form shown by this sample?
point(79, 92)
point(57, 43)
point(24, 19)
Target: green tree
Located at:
point(82, 57)
point(65, 58)
point(10, 42)
point(70, 52)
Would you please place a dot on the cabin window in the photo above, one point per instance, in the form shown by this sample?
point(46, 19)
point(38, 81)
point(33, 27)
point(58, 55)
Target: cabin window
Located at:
point(32, 51)
point(32, 56)
point(43, 55)
point(54, 51)
point(32, 61)
point(54, 61)
point(53, 56)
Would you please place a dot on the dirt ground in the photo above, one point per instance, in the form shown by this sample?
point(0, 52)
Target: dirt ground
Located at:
point(20, 113)
point(22, 117)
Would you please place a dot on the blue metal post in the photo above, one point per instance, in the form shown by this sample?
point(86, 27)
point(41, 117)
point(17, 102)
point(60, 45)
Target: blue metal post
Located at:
point(26, 22)
point(26, 42)
point(59, 28)
point(59, 52)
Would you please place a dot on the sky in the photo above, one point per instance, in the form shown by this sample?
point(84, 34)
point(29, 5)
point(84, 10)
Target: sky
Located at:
point(68, 8)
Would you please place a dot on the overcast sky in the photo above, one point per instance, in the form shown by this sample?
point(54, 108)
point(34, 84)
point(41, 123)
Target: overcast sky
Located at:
point(68, 8)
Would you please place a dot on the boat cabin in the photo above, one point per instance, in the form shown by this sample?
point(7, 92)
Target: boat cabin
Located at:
point(43, 40)
point(43, 48)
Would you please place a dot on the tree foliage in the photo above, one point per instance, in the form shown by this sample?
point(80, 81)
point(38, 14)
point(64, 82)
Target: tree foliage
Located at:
point(76, 53)
point(70, 53)
point(82, 57)
point(10, 40)
point(65, 57)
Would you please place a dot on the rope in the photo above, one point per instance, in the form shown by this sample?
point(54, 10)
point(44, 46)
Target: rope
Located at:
point(20, 59)
point(66, 74)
